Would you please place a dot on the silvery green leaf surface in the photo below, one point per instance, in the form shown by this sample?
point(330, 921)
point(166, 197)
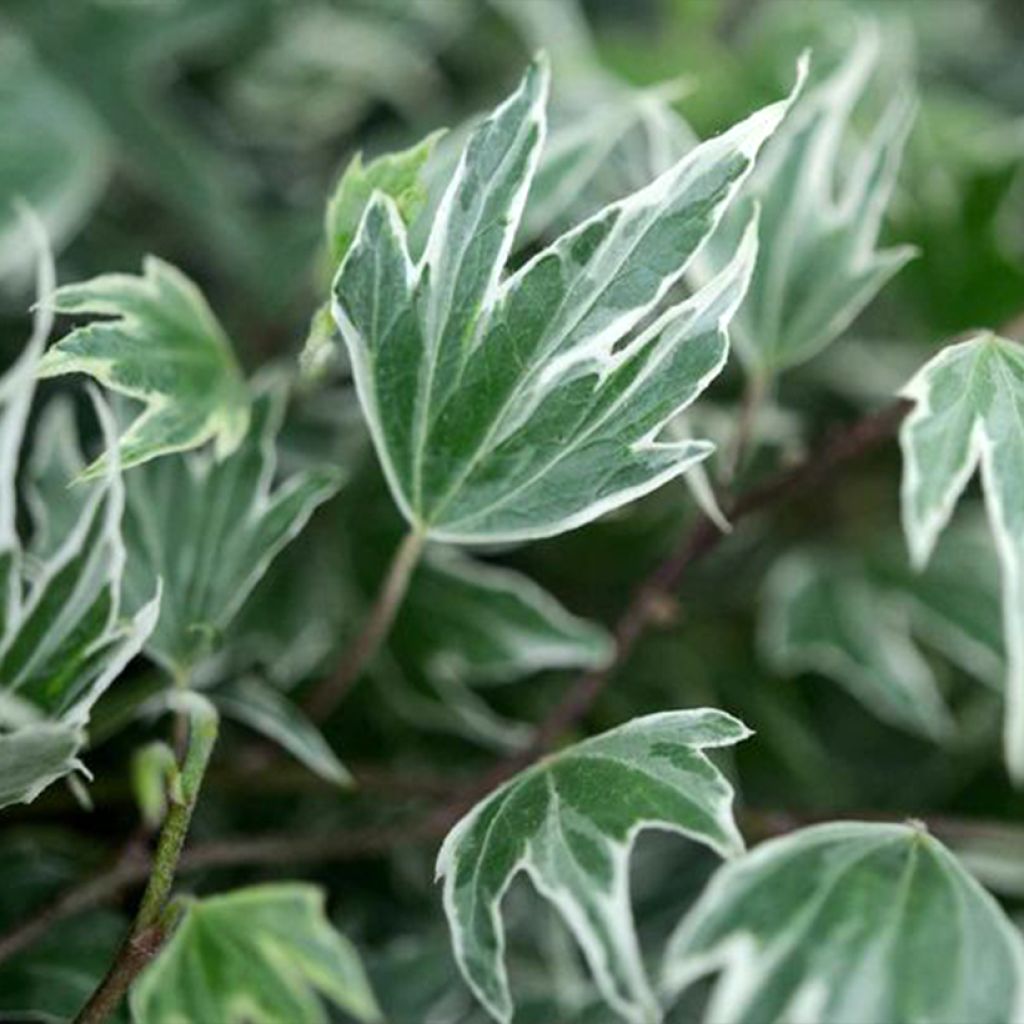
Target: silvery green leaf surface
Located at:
point(273, 714)
point(968, 412)
point(210, 528)
point(850, 922)
point(515, 408)
point(53, 155)
point(261, 955)
point(823, 615)
point(63, 638)
point(163, 346)
point(821, 212)
point(569, 823)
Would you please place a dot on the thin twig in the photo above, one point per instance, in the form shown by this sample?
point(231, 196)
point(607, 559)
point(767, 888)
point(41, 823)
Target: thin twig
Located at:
point(332, 691)
point(151, 922)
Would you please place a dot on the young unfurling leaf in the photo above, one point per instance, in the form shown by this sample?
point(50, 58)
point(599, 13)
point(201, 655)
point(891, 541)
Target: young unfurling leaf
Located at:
point(569, 823)
point(818, 266)
point(254, 956)
point(164, 347)
point(850, 922)
point(208, 529)
point(970, 411)
point(524, 407)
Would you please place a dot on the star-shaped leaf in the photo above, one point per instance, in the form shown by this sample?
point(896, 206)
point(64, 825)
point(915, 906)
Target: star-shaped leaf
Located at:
point(850, 922)
point(819, 266)
point(209, 529)
point(520, 408)
point(969, 411)
point(569, 823)
point(254, 956)
point(164, 347)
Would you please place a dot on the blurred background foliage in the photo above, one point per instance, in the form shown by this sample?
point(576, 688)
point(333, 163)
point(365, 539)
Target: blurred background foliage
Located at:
point(210, 132)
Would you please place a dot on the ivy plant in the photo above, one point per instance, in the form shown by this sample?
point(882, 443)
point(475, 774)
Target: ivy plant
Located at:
point(362, 656)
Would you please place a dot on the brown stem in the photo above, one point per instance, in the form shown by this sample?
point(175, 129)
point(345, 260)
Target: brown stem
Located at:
point(332, 690)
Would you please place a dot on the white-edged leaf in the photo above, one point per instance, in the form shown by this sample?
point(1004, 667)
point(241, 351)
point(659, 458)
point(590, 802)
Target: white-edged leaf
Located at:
point(520, 408)
point(210, 528)
point(819, 222)
point(63, 639)
point(274, 715)
point(569, 823)
point(820, 615)
point(258, 955)
point(850, 922)
point(162, 346)
point(969, 410)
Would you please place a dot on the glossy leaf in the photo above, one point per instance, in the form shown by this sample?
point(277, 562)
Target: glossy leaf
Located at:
point(824, 616)
point(819, 222)
point(850, 922)
point(505, 410)
point(569, 823)
point(209, 529)
point(968, 412)
point(162, 346)
point(261, 955)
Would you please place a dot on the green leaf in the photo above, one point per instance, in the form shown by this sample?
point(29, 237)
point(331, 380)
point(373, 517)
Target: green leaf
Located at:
point(254, 956)
point(398, 175)
point(271, 713)
point(53, 154)
point(63, 639)
point(209, 529)
point(163, 347)
point(970, 410)
point(824, 616)
point(569, 822)
point(818, 267)
point(508, 410)
point(850, 922)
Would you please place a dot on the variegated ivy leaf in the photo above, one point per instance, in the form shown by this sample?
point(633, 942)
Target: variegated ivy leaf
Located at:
point(254, 956)
point(569, 823)
point(164, 347)
point(524, 407)
point(969, 402)
point(818, 266)
point(208, 529)
point(63, 639)
point(850, 922)
point(822, 615)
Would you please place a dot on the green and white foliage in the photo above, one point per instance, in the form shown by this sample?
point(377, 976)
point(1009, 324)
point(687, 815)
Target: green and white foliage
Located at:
point(63, 638)
point(267, 710)
point(968, 412)
point(164, 347)
point(818, 266)
point(520, 408)
point(53, 155)
point(467, 626)
point(606, 139)
point(260, 955)
point(569, 823)
point(209, 529)
point(822, 614)
point(850, 922)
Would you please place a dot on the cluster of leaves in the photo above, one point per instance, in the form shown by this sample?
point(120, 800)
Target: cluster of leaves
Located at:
point(510, 330)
